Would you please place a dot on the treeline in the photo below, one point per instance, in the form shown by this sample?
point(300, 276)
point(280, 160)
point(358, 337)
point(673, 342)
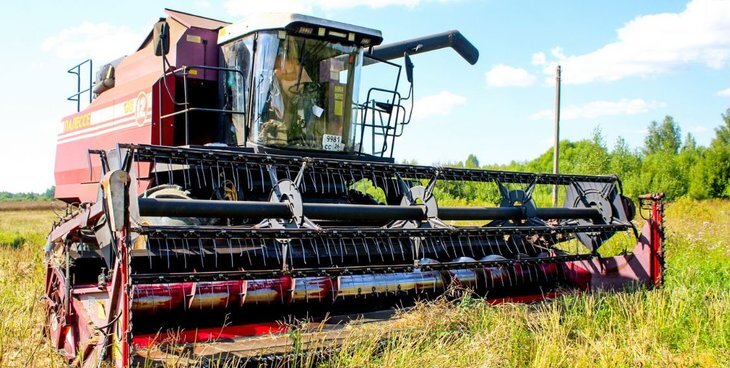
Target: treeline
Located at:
point(30, 196)
point(667, 162)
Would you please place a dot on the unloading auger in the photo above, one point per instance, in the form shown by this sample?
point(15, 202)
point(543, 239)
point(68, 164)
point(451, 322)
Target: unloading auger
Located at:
point(240, 207)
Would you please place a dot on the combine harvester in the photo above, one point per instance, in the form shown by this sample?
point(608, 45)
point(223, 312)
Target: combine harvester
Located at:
point(212, 189)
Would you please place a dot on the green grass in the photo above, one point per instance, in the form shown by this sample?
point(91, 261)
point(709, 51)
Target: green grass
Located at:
point(22, 237)
point(684, 324)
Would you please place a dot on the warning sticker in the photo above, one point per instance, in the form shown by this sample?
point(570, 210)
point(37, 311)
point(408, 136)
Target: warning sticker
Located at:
point(331, 142)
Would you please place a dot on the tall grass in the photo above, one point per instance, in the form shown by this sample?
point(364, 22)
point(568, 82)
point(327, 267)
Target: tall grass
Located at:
point(22, 236)
point(684, 324)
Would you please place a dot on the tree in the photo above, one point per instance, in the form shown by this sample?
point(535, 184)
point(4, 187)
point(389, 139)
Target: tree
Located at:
point(625, 163)
point(472, 162)
point(664, 137)
point(716, 163)
point(690, 144)
point(722, 133)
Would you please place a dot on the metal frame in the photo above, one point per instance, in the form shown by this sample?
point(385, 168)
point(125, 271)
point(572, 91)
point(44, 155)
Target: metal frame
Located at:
point(76, 70)
point(184, 72)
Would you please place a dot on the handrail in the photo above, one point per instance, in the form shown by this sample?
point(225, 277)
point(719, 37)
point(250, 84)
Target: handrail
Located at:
point(76, 70)
point(183, 70)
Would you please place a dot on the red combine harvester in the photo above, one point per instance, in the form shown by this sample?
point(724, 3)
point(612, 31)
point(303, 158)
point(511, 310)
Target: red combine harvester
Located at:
point(215, 189)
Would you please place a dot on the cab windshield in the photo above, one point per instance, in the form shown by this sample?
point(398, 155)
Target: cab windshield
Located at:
point(304, 92)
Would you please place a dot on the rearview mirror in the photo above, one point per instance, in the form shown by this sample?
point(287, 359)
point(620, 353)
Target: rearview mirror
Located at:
point(161, 38)
point(409, 68)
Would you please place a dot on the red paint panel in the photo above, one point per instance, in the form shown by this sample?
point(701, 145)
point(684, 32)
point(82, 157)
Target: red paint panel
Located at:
point(209, 334)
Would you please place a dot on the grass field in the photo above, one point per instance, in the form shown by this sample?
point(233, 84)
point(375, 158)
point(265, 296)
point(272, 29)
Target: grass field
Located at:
point(684, 324)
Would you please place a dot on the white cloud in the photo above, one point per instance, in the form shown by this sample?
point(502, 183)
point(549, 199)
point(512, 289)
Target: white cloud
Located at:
point(594, 109)
point(506, 76)
point(653, 44)
point(237, 7)
point(724, 93)
point(440, 104)
point(101, 42)
point(698, 129)
point(248, 7)
point(539, 58)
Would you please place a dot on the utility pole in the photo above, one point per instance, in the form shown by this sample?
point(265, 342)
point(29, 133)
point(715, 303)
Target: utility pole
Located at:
point(556, 144)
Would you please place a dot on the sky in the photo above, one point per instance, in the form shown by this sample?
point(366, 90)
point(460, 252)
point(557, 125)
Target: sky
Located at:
point(625, 63)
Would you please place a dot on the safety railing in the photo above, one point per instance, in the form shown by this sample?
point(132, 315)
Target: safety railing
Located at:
point(76, 70)
point(184, 71)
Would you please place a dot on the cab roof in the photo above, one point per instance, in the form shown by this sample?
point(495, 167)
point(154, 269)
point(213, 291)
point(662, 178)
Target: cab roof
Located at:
point(302, 24)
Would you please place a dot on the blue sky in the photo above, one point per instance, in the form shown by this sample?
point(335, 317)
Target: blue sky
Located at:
point(625, 63)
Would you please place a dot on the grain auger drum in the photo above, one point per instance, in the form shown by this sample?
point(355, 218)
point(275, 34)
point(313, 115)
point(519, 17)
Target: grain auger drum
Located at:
point(226, 201)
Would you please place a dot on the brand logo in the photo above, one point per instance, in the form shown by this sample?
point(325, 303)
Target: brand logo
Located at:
point(140, 109)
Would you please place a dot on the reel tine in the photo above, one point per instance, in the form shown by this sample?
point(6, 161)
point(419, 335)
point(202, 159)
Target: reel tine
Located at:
point(202, 252)
point(481, 244)
point(471, 248)
point(400, 245)
point(304, 253)
point(343, 251)
point(185, 253)
point(329, 185)
point(169, 171)
point(212, 179)
point(276, 249)
point(154, 168)
point(509, 272)
point(489, 244)
point(316, 250)
point(342, 180)
point(428, 241)
point(329, 250)
point(218, 168)
point(354, 247)
point(264, 252)
point(314, 180)
point(443, 245)
point(149, 248)
point(215, 252)
point(254, 247)
point(263, 184)
point(183, 171)
point(234, 174)
point(167, 252)
point(377, 244)
point(388, 245)
point(202, 172)
point(461, 246)
point(230, 250)
point(521, 239)
point(249, 181)
point(509, 249)
point(240, 250)
point(367, 249)
point(303, 183)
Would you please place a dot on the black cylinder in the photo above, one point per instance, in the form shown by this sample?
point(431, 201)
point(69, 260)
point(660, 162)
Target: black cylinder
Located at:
point(349, 212)
point(209, 208)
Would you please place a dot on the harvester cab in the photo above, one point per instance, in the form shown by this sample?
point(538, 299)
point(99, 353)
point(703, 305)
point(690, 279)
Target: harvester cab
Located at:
point(228, 178)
